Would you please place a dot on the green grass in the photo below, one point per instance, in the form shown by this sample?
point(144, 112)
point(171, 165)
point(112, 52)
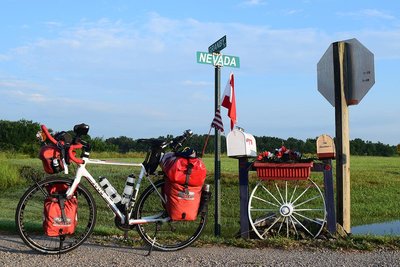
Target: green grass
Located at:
point(9, 174)
point(374, 197)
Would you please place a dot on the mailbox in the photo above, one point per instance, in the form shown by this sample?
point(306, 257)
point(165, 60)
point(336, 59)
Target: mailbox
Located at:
point(240, 144)
point(325, 147)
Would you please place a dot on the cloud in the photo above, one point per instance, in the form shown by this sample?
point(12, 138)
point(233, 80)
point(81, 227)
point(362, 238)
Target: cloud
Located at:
point(4, 57)
point(253, 3)
point(114, 72)
point(197, 83)
point(293, 11)
point(30, 97)
point(368, 13)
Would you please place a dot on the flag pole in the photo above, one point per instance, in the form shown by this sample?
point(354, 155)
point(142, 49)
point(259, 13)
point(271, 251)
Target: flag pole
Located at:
point(205, 143)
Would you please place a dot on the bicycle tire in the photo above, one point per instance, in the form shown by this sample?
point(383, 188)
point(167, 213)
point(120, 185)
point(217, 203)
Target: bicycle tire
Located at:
point(171, 235)
point(29, 218)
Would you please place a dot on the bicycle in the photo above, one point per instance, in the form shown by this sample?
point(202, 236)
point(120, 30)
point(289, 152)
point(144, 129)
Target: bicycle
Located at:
point(147, 212)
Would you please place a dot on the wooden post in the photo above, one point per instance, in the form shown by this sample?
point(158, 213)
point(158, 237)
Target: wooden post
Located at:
point(244, 196)
point(329, 196)
point(342, 135)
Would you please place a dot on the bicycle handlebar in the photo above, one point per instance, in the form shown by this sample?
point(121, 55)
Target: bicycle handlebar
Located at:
point(177, 141)
point(71, 148)
point(48, 135)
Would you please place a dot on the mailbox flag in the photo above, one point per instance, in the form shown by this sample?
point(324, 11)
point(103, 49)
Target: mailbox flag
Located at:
point(229, 101)
point(217, 122)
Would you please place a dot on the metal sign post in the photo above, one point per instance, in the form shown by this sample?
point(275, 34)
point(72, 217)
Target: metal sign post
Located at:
point(214, 57)
point(217, 157)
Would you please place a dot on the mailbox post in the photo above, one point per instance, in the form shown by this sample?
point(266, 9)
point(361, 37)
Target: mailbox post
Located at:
point(326, 152)
point(242, 146)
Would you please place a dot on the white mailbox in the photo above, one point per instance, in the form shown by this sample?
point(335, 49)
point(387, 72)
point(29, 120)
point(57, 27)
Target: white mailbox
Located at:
point(241, 144)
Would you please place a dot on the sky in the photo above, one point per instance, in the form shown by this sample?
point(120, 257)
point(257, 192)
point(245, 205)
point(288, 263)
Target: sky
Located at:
point(128, 68)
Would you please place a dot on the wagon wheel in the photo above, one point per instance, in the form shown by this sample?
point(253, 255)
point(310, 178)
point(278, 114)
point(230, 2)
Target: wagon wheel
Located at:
point(291, 208)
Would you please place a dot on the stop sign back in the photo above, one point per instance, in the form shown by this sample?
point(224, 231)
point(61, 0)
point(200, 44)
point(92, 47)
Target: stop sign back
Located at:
point(360, 73)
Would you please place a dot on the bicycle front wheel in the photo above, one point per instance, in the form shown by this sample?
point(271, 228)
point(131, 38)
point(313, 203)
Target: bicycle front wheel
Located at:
point(29, 218)
point(165, 236)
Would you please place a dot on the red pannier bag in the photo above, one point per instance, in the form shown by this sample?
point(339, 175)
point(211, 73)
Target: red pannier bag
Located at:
point(182, 203)
point(58, 220)
point(50, 155)
point(183, 186)
point(175, 168)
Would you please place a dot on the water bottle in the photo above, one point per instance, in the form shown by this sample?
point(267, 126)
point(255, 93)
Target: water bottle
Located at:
point(128, 190)
point(56, 165)
point(110, 190)
point(204, 199)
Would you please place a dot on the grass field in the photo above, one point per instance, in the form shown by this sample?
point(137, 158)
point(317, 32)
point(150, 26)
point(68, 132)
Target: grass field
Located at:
point(375, 194)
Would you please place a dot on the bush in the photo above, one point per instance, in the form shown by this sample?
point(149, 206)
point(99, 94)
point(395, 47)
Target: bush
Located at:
point(9, 175)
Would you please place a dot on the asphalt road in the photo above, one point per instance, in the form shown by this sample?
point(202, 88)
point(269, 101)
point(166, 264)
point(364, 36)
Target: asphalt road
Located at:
point(13, 252)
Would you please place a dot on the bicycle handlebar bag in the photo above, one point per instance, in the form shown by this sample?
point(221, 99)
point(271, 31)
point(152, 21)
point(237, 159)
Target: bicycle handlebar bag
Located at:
point(50, 155)
point(59, 214)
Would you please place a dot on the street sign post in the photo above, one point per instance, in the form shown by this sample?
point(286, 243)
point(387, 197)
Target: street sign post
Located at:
point(345, 74)
point(215, 58)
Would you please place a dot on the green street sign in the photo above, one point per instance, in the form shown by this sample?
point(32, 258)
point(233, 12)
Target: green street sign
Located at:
point(218, 45)
point(218, 60)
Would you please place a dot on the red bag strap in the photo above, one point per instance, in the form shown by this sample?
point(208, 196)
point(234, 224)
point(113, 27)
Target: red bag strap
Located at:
point(188, 173)
point(61, 202)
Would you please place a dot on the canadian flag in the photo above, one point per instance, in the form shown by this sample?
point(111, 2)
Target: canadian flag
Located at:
point(229, 101)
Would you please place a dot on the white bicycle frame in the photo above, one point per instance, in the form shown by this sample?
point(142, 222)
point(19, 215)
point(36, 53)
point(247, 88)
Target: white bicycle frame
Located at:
point(83, 172)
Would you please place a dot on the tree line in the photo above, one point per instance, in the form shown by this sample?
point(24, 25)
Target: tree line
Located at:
point(20, 136)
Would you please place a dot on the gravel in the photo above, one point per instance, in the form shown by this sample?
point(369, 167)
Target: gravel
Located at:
point(13, 252)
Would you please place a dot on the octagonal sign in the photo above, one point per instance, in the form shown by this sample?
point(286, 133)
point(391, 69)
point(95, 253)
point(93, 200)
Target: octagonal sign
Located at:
point(360, 73)
point(325, 76)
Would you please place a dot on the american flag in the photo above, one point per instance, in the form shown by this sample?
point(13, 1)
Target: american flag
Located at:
point(217, 121)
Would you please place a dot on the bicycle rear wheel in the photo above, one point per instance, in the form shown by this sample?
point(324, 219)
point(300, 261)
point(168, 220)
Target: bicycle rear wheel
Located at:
point(29, 218)
point(165, 236)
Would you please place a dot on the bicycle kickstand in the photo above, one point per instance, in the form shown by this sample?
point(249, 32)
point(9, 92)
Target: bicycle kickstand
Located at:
point(154, 240)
